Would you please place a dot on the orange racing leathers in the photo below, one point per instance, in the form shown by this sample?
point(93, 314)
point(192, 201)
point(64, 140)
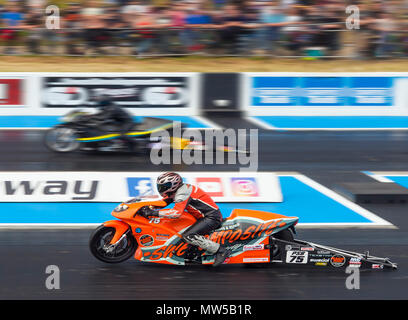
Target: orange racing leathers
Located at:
point(195, 201)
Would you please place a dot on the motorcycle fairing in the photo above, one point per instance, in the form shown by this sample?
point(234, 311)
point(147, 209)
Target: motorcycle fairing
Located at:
point(246, 237)
point(120, 228)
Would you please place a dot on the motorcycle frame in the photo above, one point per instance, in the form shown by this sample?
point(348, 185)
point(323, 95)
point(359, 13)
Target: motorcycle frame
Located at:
point(363, 259)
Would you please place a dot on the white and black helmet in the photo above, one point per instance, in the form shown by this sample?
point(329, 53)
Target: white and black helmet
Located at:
point(168, 183)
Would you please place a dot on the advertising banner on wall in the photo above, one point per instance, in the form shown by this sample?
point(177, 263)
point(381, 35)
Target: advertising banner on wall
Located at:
point(126, 91)
point(318, 91)
point(120, 186)
point(11, 92)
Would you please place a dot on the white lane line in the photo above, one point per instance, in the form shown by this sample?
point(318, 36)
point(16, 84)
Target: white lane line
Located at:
point(389, 173)
point(209, 123)
point(260, 123)
point(377, 177)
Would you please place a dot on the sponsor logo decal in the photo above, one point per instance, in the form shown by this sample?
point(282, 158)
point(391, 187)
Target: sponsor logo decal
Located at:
point(228, 227)
point(321, 264)
point(167, 251)
point(298, 257)
point(289, 247)
point(146, 240)
point(377, 266)
point(321, 260)
point(307, 249)
point(162, 236)
point(337, 260)
point(253, 247)
point(263, 259)
point(129, 92)
point(323, 252)
point(251, 232)
point(355, 262)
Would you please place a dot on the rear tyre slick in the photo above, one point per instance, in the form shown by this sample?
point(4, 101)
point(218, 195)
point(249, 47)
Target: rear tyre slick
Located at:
point(285, 235)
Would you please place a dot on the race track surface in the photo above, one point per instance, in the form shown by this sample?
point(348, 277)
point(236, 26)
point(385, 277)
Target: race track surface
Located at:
point(83, 277)
point(277, 151)
point(327, 157)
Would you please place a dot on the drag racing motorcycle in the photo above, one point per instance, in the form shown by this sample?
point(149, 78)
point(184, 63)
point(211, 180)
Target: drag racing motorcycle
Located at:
point(80, 131)
point(252, 237)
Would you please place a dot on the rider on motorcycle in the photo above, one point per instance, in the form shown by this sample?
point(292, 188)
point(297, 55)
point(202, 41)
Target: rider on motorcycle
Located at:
point(196, 202)
point(122, 121)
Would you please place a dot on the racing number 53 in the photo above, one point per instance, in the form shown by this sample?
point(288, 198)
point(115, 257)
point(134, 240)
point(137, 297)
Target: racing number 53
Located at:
point(296, 257)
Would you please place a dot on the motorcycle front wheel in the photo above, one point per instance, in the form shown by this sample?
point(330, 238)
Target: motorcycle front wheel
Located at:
point(61, 139)
point(99, 244)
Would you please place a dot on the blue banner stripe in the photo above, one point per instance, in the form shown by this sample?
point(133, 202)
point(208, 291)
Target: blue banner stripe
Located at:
point(311, 122)
point(50, 121)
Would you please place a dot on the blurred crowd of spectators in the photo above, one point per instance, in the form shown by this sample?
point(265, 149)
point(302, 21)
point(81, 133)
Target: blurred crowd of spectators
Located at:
point(240, 27)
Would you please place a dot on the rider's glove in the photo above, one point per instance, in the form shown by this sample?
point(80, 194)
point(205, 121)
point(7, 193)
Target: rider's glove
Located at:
point(147, 211)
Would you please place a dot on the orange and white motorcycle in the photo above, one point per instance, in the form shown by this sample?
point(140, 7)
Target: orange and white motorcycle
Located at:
point(251, 236)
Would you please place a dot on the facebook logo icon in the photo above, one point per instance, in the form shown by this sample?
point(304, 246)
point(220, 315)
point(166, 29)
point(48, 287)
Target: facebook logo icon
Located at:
point(139, 187)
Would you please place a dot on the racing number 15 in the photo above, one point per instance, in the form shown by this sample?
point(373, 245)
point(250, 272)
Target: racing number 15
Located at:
point(296, 257)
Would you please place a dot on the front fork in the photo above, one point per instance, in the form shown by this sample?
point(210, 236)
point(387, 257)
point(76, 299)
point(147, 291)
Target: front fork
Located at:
point(121, 229)
point(111, 247)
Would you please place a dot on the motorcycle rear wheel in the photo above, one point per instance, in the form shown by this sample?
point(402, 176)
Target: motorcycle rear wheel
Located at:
point(285, 235)
point(99, 245)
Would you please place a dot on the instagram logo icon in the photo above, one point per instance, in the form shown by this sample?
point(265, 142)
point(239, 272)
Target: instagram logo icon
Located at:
point(244, 187)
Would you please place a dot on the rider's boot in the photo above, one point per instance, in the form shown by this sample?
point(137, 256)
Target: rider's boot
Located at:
point(210, 246)
point(220, 256)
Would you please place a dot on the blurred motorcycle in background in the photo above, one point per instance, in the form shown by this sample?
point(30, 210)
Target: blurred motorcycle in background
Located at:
point(80, 131)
